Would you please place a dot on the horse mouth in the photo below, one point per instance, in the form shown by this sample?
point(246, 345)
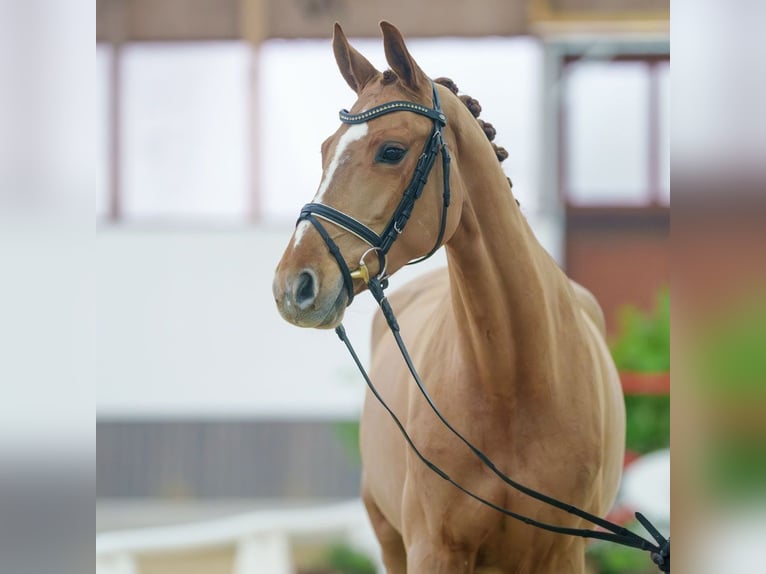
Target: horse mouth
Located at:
point(335, 315)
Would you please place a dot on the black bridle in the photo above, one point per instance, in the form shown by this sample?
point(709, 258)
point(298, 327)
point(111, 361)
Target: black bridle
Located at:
point(381, 244)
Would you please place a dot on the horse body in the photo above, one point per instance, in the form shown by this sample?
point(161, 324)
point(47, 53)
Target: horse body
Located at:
point(509, 348)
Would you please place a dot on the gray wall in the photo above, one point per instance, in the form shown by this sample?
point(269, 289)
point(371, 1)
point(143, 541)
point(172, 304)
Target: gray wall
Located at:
point(224, 459)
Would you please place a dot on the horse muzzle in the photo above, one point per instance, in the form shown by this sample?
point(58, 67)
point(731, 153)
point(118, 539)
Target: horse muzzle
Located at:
point(303, 300)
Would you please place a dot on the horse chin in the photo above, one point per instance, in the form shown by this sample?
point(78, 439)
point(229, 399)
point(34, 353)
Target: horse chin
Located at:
point(336, 312)
point(333, 319)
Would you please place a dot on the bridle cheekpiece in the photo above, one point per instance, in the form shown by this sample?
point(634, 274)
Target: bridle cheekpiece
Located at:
point(381, 243)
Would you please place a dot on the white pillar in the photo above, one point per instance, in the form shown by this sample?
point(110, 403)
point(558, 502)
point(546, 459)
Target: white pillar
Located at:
point(116, 564)
point(268, 552)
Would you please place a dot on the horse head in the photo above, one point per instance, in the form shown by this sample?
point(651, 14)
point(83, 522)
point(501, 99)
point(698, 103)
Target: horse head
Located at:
point(368, 166)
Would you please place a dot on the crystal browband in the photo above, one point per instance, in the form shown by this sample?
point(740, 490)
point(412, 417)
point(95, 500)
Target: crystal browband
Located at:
point(349, 118)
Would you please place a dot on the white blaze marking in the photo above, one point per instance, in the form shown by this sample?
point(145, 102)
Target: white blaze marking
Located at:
point(353, 133)
point(300, 231)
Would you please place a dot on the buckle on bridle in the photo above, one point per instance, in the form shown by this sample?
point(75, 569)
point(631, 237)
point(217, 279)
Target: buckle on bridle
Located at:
point(363, 272)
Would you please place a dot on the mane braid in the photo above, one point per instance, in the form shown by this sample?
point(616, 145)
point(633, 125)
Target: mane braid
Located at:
point(475, 108)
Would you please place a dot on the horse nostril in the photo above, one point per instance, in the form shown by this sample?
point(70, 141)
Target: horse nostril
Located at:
point(305, 289)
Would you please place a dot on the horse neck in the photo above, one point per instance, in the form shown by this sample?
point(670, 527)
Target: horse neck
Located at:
point(504, 285)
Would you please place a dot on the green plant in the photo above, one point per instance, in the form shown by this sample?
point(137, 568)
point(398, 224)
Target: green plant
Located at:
point(729, 358)
point(644, 347)
point(728, 362)
point(647, 422)
point(607, 558)
point(345, 560)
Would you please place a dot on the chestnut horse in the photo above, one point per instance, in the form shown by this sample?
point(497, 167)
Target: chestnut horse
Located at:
point(510, 349)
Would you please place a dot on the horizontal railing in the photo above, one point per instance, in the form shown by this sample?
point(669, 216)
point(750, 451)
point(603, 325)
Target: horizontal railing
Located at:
point(261, 541)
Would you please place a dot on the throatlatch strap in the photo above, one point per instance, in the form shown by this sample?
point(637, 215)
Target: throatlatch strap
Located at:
point(445, 204)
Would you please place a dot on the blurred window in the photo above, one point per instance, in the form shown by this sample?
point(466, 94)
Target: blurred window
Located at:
point(199, 140)
point(103, 167)
point(185, 131)
point(663, 89)
point(615, 146)
point(301, 91)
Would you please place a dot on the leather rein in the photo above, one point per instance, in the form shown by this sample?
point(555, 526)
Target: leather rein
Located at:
point(381, 244)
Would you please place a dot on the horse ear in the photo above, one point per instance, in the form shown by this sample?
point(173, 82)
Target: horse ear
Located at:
point(400, 60)
point(354, 67)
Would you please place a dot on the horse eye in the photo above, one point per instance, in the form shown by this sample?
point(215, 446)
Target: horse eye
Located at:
point(390, 154)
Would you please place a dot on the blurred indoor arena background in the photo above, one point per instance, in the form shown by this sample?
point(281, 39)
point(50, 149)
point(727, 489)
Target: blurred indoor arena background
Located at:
point(226, 437)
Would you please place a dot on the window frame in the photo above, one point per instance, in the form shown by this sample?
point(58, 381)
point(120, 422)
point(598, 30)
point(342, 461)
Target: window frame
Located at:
point(656, 196)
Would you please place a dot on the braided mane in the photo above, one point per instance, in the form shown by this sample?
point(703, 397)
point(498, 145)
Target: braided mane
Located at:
point(473, 106)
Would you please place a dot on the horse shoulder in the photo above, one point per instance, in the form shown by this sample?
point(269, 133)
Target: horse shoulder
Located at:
point(609, 396)
point(591, 307)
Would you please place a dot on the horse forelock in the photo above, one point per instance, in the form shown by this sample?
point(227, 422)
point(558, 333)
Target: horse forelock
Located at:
point(389, 77)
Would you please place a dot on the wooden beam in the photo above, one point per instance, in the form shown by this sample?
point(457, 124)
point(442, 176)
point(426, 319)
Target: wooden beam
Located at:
point(167, 20)
point(256, 20)
point(314, 18)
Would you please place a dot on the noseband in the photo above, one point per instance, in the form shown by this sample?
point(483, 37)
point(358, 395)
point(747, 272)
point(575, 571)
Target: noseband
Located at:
point(381, 244)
